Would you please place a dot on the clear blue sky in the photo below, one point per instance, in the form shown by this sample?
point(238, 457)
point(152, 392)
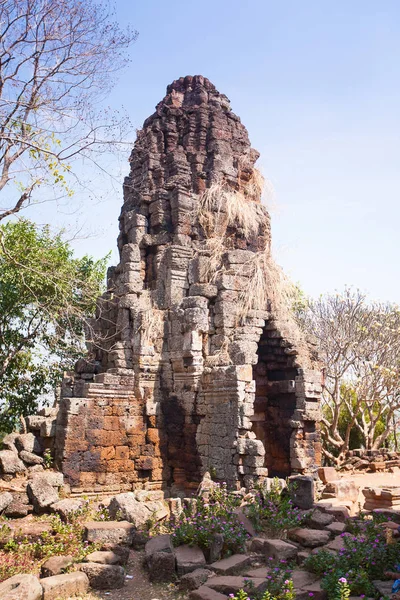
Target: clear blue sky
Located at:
point(317, 84)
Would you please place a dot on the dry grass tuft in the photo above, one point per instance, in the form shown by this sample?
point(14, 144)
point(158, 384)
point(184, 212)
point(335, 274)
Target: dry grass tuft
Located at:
point(267, 288)
point(221, 207)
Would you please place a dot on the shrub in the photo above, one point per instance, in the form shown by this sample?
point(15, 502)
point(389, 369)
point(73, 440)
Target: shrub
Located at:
point(26, 556)
point(366, 555)
point(272, 511)
point(199, 524)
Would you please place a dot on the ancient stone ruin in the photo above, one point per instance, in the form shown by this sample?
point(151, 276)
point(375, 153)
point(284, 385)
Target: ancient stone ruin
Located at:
point(198, 365)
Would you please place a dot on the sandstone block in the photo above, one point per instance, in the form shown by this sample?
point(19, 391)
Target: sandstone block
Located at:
point(55, 565)
point(277, 549)
point(229, 566)
point(327, 474)
point(67, 585)
point(104, 557)
point(121, 551)
point(159, 543)
point(302, 491)
point(206, 593)
point(67, 507)
point(189, 558)
point(114, 532)
point(5, 500)
point(161, 567)
point(195, 579)
point(336, 528)
point(10, 464)
point(230, 584)
point(103, 577)
point(311, 538)
point(53, 478)
point(319, 520)
point(30, 459)
point(28, 442)
point(41, 494)
point(21, 587)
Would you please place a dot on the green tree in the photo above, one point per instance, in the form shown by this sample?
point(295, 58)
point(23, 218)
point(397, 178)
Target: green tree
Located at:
point(47, 298)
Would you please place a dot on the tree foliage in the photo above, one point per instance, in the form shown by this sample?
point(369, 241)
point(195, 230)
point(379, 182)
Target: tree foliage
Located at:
point(47, 297)
point(58, 59)
point(359, 345)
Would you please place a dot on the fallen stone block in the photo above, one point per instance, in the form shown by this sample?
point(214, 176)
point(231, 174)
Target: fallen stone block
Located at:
point(206, 593)
point(188, 558)
point(327, 474)
point(55, 565)
point(231, 565)
point(41, 494)
point(337, 543)
point(230, 584)
point(277, 549)
point(28, 442)
point(311, 538)
point(26, 528)
point(343, 489)
point(10, 464)
point(9, 442)
point(121, 551)
point(5, 500)
point(302, 491)
point(319, 520)
point(128, 508)
point(30, 459)
point(302, 579)
point(313, 590)
point(103, 577)
point(336, 528)
point(340, 513)
point(67, 507)
point(21, 587)
point(104, 557)
point(113, 532)
point(17, 509)
point(66, 585)
point(53, 478)
point(245, 521)
point(161, 566)
point(159, 543)
point(194, 580)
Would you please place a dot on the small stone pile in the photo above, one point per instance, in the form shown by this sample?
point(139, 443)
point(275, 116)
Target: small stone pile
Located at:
point(372, 461)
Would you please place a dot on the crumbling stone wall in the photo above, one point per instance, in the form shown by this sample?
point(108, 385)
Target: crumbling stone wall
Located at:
point(189, 374)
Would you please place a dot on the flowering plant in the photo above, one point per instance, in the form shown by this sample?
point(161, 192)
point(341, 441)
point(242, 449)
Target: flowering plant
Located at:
point(273, 511)
point(200, 524)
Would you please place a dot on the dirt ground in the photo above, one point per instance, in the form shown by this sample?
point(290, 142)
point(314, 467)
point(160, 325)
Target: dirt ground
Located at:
point(137, 585)
point(372, 480)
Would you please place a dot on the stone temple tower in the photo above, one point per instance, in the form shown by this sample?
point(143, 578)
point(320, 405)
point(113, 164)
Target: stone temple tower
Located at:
point(197, 365)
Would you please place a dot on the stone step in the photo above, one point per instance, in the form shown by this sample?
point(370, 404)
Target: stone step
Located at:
point(310, 538)
point(230, 584)
point(231, 565)
point(276, 549)
point(336, 527)
point(206, 593)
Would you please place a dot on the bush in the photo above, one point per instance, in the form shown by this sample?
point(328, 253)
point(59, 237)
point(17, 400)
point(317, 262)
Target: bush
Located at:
point(198, 525)
point(272, 511)
point(366, 555)
point(26, 556)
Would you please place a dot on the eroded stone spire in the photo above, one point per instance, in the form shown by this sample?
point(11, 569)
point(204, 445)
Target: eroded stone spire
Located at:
point(196, 367)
